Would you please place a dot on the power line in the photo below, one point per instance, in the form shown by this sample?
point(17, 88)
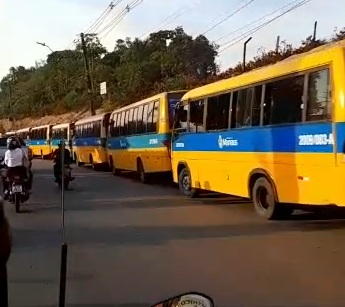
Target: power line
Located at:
point(228, 17)
point(255, 21)
point(96, 26)
point(256, 29)
point(224, 13)
point(101, 17)
point(179, 12)
point(118, 18)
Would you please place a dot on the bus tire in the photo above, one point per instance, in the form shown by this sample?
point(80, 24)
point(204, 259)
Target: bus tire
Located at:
point(143, 177)
point(184, 183)
point(114, 170)
point(77, 160)
point(264, 201)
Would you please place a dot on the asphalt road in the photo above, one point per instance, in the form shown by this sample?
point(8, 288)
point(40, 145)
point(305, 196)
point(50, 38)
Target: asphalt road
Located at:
point(131, 245)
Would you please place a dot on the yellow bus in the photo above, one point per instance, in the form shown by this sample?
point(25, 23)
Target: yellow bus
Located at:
point(89, 142)
point(62, 131)
point(275, 135)
point(39, 141)
point(139, 135)
point(24, 134)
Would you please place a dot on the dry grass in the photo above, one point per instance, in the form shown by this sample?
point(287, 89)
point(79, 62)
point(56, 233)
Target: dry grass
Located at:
point(50, 119)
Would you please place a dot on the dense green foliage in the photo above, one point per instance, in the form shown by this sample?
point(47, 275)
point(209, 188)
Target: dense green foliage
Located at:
point(166, 60)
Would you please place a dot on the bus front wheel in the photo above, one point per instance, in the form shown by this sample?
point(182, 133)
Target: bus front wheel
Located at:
point(185, 183)
point(143, 176)
point(265, 203)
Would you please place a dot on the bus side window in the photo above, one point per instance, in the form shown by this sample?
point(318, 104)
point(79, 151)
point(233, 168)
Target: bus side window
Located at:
point(319, 102)
point(122, 124)
point(233, 111)
point(145, 117)
point(181, 117)
point(244, 107)
point(130, 122)
point(126, 132)
point(196, 122)
point(155, 117)
point(284, 100)
point(149, 117)
point(140, 124)
point(135, 120)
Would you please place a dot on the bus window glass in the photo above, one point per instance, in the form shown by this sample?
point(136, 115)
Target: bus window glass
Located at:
point(283, 101)
point(155, 116)
point(145, 118)
point(196, 122)
point(150, 108)
point(318, 105)
point(125, 128)
point(130, 122)
point(218, 112)
point(181, 117)
point(140, 127)
point(256, 106)
point(122, 124)
point(135, 120)
point(244, 107)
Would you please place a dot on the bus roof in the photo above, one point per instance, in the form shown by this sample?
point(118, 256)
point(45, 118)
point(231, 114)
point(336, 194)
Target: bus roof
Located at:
point(91, 119)
point(23, 130)
point(40, 127)
point(314, 58)
point(65, 125)
point(148, 99)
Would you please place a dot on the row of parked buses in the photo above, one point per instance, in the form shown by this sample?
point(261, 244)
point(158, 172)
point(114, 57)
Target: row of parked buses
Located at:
point(133, 138)
point(275, 135)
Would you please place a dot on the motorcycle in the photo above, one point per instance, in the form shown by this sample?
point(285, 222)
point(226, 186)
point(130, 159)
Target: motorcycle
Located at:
point(190, 299)
point(17, 192)
point(67, 177)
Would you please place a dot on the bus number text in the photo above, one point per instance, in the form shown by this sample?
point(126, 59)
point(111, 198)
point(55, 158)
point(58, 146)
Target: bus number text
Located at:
point(315, 139)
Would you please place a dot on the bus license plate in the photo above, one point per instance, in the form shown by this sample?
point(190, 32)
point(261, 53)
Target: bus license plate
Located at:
point(17, 189)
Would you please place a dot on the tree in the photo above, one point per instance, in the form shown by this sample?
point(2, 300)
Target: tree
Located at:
point(133, 70)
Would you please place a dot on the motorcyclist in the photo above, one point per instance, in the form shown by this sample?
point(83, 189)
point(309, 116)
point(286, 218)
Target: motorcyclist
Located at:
point(58, 160)
point(15, 161)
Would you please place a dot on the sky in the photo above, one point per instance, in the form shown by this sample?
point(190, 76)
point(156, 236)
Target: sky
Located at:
point(58, 22)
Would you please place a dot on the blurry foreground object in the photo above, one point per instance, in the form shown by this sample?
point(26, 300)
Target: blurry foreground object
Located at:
point(191, 299)
point(5, 252)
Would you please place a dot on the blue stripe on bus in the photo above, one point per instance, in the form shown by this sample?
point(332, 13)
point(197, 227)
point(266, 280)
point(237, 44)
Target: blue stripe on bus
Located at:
point(91, 141)
point(304, 138)
point(37, 142)
point(55, 142)
point(154, 140)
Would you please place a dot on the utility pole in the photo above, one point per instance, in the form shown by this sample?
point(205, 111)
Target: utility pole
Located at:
point(277, 44)
point(87, 71)
point(245, 52)
point(314, 33)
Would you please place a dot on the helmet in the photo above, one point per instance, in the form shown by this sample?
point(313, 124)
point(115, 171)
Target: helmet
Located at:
point(12, 143)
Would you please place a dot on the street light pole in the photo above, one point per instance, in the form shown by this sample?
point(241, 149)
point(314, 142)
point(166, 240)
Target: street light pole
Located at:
point(45, 45)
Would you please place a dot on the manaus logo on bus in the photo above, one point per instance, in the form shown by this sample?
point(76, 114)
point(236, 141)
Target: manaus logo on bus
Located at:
point(226, 142)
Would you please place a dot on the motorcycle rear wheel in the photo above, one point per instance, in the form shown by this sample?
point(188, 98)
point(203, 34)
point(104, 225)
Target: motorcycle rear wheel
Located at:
point(17, 202)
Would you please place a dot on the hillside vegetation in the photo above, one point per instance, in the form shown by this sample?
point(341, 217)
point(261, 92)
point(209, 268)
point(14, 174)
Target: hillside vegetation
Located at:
point(135, 69)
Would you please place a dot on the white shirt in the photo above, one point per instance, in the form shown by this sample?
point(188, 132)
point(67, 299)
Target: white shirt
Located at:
point(14, 157)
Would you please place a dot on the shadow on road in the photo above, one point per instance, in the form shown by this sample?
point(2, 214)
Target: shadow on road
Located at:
point(140, 235)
